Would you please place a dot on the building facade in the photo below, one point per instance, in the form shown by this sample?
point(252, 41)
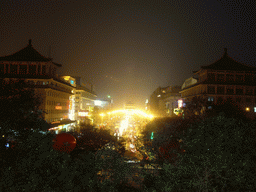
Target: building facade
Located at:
point(164, 100)
point(85, 98)
point(40, 73)
point(224, 80)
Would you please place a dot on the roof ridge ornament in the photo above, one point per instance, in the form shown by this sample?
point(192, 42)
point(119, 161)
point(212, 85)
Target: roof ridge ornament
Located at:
point(30, 42)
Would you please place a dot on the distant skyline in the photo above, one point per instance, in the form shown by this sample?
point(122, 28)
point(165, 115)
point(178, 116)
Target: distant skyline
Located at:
point(127, 49)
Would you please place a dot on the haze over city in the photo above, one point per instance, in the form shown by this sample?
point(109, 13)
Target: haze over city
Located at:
point(127, 49)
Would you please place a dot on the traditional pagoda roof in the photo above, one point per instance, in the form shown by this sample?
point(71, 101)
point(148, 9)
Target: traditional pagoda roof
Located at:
point(28, 53)
point(227, 63)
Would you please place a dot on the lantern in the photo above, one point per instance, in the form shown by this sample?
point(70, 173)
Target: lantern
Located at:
point(64, 142)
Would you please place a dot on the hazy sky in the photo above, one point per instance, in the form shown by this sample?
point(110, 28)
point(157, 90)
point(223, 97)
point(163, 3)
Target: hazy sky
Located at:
point(129, 48)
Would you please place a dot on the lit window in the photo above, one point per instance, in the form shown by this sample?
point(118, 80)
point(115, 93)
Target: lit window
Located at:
point(158, 95)
point(247, 109)
point(254, 109)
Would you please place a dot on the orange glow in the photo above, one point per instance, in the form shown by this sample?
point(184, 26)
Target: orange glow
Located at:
point(58, 107)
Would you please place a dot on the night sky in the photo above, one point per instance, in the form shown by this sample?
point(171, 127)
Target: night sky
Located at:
point(129, 48)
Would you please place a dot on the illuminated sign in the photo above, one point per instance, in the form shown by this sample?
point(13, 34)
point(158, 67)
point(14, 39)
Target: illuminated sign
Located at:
point(72, 82)
point(58, 107)
point(180, 103)
point(98, 103)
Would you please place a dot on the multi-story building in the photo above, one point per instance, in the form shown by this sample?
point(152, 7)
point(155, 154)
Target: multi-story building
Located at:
point(40, 74)
point(225, 79)
point(71, 81)
point(84, 102)
point(164, 100)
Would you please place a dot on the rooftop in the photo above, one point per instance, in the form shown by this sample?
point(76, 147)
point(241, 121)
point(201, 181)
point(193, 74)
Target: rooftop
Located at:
point(227, 63)
point(29, 53)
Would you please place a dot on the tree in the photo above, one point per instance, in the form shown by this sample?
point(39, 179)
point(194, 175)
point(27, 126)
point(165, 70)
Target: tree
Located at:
point(35, 166)
point(229, 109)
point(220, 155)
point(20, 110)
point(162, 137)
point(196, 107)
point(200, 108)
point(92, 139)
point(20, 107)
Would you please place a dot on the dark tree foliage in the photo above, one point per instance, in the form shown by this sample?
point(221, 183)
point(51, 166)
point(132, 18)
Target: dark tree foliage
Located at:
point(166, 138)
point(35, 166)
point(19, 107)
point(92, 139)
point(216, 151)
point(220, 156)
point(200, 108)
point(196, 107)
point(229, 109)
point(19, 111)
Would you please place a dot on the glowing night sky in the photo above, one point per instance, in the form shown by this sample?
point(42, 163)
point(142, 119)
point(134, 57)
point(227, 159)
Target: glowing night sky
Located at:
point(129, 48)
